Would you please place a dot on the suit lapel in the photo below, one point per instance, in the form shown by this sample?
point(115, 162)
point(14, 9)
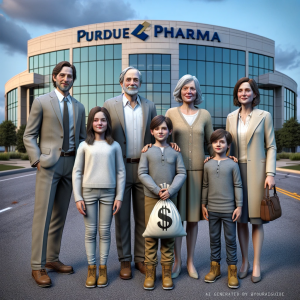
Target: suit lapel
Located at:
point(54, 102)
point(257, 117)
point(145, 110)
point(120, 111)
point(75, 112)
point(233, 125)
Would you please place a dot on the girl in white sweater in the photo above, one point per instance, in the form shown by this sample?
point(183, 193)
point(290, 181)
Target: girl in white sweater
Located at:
point(99, 193)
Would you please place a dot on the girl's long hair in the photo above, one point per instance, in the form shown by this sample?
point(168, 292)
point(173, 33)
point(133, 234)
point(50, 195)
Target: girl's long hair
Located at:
point(90, 134)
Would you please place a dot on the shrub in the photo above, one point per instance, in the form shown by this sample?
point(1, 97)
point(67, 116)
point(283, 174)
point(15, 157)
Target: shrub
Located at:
point(277, 157)
point(14, 155)
point(295, 156)
point(24, 156)
point(284, 155)
point(20, 144)
point(4, 156)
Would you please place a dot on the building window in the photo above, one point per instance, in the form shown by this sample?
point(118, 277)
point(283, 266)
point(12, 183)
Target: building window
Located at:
point(290, 105)
point(156, 76)
point(218, 70)
point(12, 106)
point(267, 100)
point(259, 65)
point(98, 69)
point(43, 64)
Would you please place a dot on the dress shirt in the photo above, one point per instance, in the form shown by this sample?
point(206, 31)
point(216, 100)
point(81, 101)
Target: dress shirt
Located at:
point(242, 138)
point(133, 128)
point(190, 118)
point(71, 121)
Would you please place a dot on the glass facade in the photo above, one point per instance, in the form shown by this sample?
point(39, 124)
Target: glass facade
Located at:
point(156, 78)
point(43, 64)
point(290, 105)
point(98, 69)
point(217, 70)
point(260, 64)
point(12, 106)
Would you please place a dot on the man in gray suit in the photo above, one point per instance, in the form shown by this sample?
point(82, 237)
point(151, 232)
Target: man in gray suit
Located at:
point(59, 121)
point(131, 115)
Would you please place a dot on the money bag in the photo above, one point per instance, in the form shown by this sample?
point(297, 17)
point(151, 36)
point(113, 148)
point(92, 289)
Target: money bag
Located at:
point(164, 221)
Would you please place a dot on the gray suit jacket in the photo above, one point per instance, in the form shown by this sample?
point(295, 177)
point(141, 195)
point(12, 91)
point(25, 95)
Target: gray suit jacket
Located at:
point(45, 122)
point(116, 111)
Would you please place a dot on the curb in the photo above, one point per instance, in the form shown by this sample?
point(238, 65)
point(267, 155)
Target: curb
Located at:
point(287, 170)
point(17, 171)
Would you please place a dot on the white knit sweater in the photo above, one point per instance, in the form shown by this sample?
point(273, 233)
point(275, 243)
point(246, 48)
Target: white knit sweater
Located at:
point(103, 167)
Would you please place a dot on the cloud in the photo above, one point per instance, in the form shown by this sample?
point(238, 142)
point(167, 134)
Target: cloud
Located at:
point(67, 13)
point(13, 37)
point(287, 59)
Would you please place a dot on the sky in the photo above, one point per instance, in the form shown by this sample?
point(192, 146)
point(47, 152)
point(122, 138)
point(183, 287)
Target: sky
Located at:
point(21, 20)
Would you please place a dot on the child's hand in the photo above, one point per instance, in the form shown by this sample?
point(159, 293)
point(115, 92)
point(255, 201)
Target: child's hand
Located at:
point(164, 194)
point(175, 147)
point(237, 213)
point(204, 212)
point(145, 149)
point(117, 206)
point(81, 207)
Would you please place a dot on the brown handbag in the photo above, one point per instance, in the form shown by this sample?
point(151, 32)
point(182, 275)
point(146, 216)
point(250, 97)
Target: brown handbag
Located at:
point(270, 208)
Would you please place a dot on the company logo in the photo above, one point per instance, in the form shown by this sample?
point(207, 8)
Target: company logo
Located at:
point(139, 31)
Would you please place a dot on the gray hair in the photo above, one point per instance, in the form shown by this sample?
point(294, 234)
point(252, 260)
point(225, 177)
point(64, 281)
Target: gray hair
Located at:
point(122, 75)
point(182, 82)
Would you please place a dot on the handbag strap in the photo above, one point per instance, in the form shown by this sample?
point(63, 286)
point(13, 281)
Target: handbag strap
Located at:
point(268, 193)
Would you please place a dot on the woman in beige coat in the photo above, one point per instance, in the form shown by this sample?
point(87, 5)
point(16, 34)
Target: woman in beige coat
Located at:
point(253, 133)
point(191, 127)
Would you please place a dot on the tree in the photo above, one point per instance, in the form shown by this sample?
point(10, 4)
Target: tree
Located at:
point(20, 144)
point(8, 136)
point(289, 135)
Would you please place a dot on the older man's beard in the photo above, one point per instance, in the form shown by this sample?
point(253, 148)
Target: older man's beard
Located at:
point(131, 90)
point(64, 88)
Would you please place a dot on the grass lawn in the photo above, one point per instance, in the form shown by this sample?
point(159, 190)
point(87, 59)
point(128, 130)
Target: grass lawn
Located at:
point(8, 167)
point(296, 167)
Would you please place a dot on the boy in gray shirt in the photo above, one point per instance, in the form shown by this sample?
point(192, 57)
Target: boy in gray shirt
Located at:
point(160, 164)
point(223, 194)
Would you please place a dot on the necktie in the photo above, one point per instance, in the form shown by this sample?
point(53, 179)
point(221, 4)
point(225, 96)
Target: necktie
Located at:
point(65, 145)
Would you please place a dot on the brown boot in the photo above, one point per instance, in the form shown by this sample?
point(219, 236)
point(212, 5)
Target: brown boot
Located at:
point(233, 282)
point(141, 267)
point(150, 277)
point(41, 278)
point(167, 282)
point(91, 277)
point(214, 272)
point(102, 279)
point(125, 272)
point(59, 267)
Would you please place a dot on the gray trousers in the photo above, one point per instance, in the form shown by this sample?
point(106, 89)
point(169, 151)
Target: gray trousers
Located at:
point(98, 202)
point(215, 226)
point(52, 196)
point(122, 219)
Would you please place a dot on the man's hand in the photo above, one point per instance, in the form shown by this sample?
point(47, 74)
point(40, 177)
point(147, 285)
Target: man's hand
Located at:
point(145, 149)
point(164, 194)
point(117, 206)
point(38, 166)
point(81, 207)
point(207, 159)
point(234, 159)
point(237, 213)
point(270, 181)
point(175, 147)
point(204, 212)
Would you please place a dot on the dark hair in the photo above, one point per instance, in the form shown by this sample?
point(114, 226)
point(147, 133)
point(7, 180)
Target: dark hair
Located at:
point(254, 88)
point(59, 67)
point(90, 134)
point(220, 133)
point(158, 120)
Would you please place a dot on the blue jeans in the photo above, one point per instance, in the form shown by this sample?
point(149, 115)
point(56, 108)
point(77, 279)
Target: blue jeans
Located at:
point(99, 204)
point(215, 225)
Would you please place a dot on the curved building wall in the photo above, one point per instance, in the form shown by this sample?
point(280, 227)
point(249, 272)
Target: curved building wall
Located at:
point(163, 51)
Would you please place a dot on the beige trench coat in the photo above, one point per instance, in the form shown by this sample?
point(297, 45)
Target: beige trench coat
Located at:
point(260, 143)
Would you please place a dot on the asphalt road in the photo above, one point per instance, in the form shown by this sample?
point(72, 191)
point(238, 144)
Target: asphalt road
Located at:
point(280, 255)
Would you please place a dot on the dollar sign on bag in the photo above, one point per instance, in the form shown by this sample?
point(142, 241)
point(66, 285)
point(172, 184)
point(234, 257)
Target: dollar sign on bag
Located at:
point(166, 221)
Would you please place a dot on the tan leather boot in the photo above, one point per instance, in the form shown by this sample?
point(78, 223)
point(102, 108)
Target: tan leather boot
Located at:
point(91, 277)
point(214, 272)
point(150, 277)
point(41, 278)
point(167, 282)
point(233, 281)
point(102, 279)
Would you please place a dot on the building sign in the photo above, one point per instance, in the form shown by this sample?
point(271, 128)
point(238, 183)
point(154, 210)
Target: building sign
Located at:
point(139, 32)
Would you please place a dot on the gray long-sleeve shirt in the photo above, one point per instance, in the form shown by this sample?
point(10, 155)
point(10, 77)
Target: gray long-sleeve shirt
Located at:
point(158, 167)
point(222, 189)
